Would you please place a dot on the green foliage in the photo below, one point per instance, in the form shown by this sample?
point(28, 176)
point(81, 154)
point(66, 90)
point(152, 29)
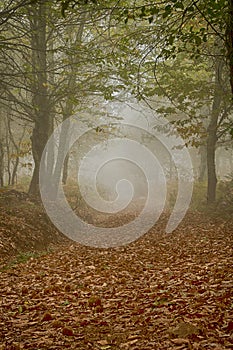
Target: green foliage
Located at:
point(198, 201)
point(22, 184)
point(66, 4)
point(224, 203)
point(182, 84)
point(199, 196)
point(23, 258)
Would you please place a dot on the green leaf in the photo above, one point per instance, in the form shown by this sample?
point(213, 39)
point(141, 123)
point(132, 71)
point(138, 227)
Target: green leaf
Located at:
point(171, 39)
point(150, 19)
point(168, 10)
point(179, 5)
point(64, 7)
point(198, 40)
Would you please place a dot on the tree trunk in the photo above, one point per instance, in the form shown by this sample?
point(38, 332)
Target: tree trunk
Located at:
point(203, 164)
point(212, 135)
point(17, 149)
point(1, 164)
point(8, 154)
point(1, 152)
point(65, 169)
point(43, 121)
point(68, 110)
point(212, 178)
point(39, 139)
point(14, 172)
point(63, 147)
point(229, 41)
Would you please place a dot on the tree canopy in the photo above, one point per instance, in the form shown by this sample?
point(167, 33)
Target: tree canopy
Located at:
point(176, 25)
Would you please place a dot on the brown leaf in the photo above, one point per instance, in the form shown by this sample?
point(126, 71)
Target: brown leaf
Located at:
point(230, 326)
point(103, 342)
point(184, 330)
point(67, 331)
point(180, 341)
point(46, 317)
point(94, 301)
point(57, 323)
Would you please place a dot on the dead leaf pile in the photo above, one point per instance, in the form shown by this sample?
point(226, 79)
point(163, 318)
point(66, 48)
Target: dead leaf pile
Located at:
point(24, 226)
point(162, 292)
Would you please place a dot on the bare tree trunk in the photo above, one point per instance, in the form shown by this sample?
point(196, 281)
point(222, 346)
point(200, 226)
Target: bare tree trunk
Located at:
point(229, 40)
point(62, 149)
point(8, 154)
point(203, 163)
point(43, 122)
point(14, 172)
point(17, 150)
point(65, 169)
point(1, 153)
point(212, 135)
point(1, 164)
point(68, 110)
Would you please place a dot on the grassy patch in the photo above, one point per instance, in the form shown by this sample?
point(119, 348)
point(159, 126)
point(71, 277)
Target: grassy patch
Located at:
point(23, 258)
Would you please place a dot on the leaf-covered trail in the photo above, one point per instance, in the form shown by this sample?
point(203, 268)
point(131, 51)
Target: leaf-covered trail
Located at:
point(161, 292)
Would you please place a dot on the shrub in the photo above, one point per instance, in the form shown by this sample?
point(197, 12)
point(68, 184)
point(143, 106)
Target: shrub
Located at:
point(224, 202)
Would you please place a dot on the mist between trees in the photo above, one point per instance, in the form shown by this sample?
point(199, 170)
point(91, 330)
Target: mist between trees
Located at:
point(83, 58)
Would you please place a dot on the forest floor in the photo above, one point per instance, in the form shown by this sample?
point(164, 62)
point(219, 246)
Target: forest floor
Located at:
point(161, 292)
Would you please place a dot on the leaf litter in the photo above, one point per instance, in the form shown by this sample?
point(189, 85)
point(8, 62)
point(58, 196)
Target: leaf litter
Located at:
point(161, 292)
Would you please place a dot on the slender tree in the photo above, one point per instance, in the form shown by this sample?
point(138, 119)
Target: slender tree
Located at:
point(40, 96)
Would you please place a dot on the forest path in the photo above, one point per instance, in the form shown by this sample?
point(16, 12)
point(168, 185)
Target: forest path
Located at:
point(161, 292)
